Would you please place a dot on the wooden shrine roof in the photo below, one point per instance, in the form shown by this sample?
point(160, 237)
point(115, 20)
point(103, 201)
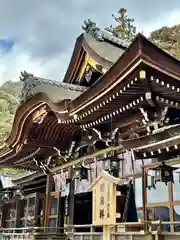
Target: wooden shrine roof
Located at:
point(41, 122)
point(39, 141)
point(105, 51)
point(53, 90)
point(36, 178)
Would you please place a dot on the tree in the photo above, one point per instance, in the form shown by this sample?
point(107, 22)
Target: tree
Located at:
point(168, 38)
point(9, 100)
point(125, 29)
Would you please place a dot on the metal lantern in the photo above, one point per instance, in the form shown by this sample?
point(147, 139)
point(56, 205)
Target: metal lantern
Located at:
point(115, 163)
point(107, 164)
point(69, 175)
point(18, 194)
point(80, 172)
point(76, 173)
point(164, 173)
point(6, 196)
point(84, 172)
point(112, 165)
point(90, 135)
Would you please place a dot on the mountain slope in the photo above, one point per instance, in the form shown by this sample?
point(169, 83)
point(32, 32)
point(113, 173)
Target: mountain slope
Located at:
point(9, 101)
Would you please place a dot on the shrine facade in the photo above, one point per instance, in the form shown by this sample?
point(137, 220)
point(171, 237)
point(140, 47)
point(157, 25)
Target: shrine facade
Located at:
point(116, 111)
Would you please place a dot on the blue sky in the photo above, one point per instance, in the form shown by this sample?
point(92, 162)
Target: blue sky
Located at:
point(6, 44)
point(45, 31)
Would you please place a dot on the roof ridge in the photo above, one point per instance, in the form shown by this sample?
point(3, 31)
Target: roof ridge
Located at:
point(103, 35)
point(110, 37)
point(31, 77)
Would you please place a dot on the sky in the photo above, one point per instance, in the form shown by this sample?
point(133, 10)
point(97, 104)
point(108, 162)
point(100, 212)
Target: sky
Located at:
point(39, 35)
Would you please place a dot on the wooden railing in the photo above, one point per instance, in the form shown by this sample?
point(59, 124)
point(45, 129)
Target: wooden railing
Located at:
point(122, 231)
point(38, 233)
point(16, 233)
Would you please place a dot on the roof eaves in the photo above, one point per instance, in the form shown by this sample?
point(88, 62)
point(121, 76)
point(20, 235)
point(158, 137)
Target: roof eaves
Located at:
point(29, 177)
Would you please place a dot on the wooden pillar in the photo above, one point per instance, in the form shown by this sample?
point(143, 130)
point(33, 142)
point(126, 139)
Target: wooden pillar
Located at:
point(171, 207)
point(36, 217)
point(4, 210)
point(71, 202)
point(59, 212)
point(1, 216)
point(106, 232)
point(47, 199)
point(18, 213)
point(144, 193)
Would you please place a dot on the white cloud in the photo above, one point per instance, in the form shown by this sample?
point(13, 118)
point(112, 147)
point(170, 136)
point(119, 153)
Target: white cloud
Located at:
point(44, 31)
point(14, 62)
point(18, 60)
point(168, 20)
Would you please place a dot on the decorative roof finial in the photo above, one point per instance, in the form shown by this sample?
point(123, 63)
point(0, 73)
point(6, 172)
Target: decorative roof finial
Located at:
point(90, 27)
point(24, 75)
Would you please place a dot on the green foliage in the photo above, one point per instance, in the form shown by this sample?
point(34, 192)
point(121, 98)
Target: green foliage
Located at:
point(168, 38)
point(125, 29)
point(9, 100)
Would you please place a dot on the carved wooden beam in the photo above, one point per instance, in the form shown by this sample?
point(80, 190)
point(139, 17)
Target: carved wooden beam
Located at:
point(39, 115)
point(147, 88)
point(86, 158)
point(162, 134)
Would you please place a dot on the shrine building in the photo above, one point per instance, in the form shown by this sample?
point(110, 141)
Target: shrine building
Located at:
point(114, 119)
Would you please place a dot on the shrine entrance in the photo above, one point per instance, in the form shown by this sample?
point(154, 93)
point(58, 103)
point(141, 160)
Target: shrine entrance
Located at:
point(83, 209)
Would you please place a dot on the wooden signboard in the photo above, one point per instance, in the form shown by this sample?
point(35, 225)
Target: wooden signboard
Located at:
point(104, 199)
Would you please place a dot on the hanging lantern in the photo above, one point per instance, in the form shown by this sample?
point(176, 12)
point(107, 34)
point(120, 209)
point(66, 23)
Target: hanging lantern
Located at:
point(90, 135)
point(84, 172)
point(112, 165)
point(6, 196)
point(107, 164)
point(69, 175)
point(18, 194)
point(80, 172)
point(76, 173)
point(164, 173)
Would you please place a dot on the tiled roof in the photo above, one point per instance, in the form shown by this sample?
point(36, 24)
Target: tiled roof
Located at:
point(105, 49)
point(56, 91)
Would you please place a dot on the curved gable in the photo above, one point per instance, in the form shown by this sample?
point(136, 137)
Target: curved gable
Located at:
point(101, 53)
